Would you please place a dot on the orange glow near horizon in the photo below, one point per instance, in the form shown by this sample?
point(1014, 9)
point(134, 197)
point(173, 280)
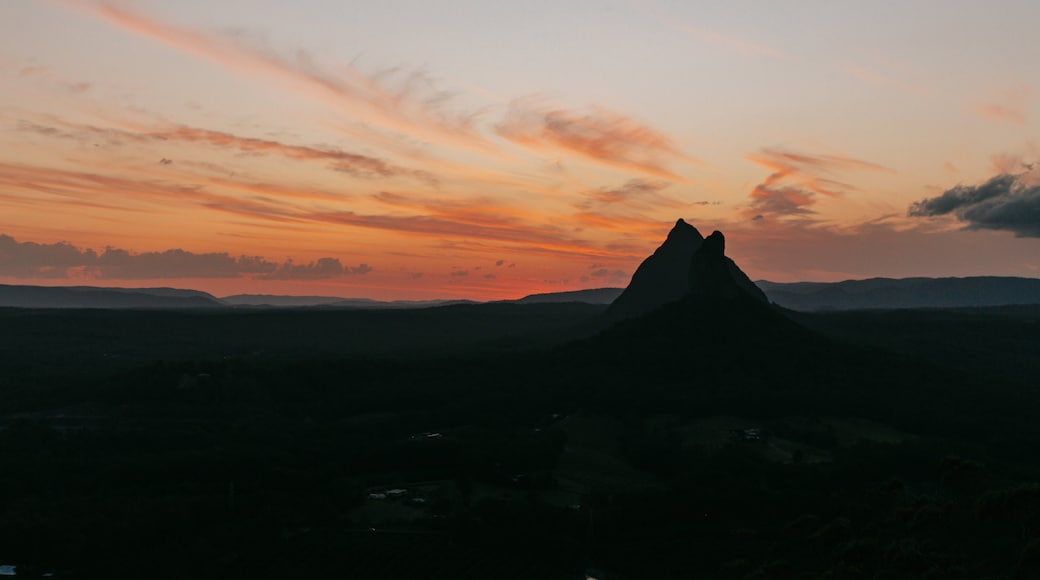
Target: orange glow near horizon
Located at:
point(318, 149)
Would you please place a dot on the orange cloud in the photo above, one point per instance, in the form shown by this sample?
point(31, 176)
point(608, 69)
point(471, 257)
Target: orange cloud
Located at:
point(413, 108)
point(797, 178)
point(464, 220)
point(636, 227)
point(600, 135)
point(1016, 115)
point(350, 163)
point(353, 164)
point(1008, 163)
point(514, 225)
point(123, 194)
point(466, 228)
point(635, 193)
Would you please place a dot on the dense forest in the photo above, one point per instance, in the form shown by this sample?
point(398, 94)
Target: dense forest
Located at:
point(326, 443)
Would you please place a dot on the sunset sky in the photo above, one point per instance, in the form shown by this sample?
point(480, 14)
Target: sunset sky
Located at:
point(491, 149)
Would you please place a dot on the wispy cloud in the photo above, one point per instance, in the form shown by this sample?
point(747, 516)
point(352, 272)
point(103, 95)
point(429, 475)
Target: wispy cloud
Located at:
point(465, 221)
point(403, 101)
point(1009, 163)
point(884, 80)
point(1008, 106)
point(733, 43)
point(49, 185)
point(466, 228)
point(596, 134)
point(638, 193)
point(45, 75)
point(351, 163)
point(354, 164)
point(796, 180)
point(62, 260)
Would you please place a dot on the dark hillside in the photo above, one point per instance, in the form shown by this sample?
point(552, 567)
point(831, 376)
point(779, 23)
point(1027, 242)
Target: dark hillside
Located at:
point(714, 436)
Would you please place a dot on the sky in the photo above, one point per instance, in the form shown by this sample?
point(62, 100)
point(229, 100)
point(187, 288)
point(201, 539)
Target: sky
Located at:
point(490, 149)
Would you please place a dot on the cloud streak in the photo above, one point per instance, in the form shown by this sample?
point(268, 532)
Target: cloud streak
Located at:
point(597, 134)
point(468, 221)
point(414, 107)
point(796, 180)
point(1006, 202)
point(62, 260)
point(733, 43)
point(1010, 106)
point(354, 164)
point(873, 78)
point(634, 193)
point(351, 163)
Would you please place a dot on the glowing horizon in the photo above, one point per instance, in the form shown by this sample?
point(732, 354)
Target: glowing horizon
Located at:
point(484, 151)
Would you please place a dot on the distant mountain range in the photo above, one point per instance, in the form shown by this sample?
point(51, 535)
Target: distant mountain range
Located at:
point(173, 298)
point(591, 296)
point(873, 293)
point(105, 298)
point(274, 301)
point(890, 293)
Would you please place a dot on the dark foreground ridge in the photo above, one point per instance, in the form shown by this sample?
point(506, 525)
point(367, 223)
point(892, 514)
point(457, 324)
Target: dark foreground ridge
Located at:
point(712, 436)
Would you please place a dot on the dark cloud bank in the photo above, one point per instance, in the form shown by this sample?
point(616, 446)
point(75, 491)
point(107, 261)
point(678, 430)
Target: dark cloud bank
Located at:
point(1005, 202)
point(62, 260)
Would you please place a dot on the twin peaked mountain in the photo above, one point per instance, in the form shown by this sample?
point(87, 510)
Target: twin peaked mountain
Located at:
point(686, 266)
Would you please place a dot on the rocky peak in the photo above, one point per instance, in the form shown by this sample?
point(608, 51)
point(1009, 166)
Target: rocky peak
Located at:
point(711, 273)
point(683, 231)
point(685, 264)
point(662, 277)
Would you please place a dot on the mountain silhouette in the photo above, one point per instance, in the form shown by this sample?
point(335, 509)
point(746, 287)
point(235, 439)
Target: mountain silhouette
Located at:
point(719, 301)
point(722, 346)
point(663, 277)
point(672, 272)
point(104, 298)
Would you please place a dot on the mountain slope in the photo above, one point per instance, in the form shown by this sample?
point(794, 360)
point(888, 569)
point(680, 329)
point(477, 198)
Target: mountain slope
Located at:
point(662, 277)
